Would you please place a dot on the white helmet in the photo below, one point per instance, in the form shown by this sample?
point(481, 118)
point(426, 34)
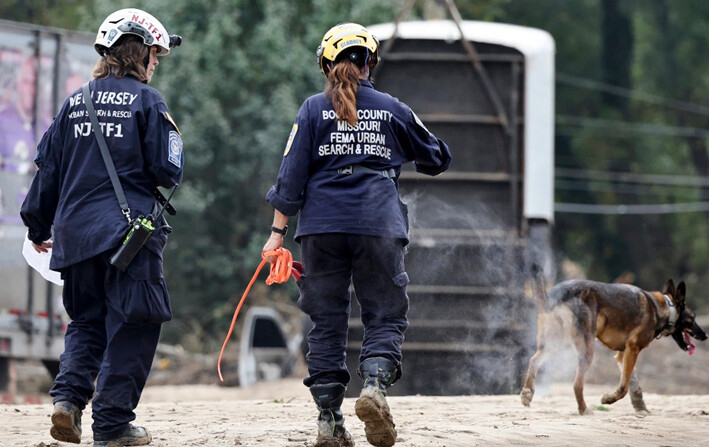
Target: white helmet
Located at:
point(133, 21)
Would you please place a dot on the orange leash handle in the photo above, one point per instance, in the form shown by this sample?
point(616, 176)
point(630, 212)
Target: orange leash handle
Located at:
point(280, 272)
point(281, 269)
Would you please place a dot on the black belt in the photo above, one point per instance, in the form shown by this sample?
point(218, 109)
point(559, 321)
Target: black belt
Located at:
point(351, 169)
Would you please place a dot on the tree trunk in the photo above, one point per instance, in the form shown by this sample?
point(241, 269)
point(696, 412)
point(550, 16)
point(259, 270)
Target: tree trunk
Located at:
point(616, 51)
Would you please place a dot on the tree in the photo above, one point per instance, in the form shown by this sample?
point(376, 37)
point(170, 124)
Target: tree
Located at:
point(245, 66)
point(59, 14)
point(649, 49)
point(234, 88)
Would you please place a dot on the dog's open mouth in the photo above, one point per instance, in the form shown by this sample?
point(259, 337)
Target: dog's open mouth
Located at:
point(691, 347)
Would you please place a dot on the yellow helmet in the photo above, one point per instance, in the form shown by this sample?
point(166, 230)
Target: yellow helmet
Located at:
point(345, 36)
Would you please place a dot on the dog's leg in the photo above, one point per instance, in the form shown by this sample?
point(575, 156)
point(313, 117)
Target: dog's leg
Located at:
point(535, 362)
point(628, 359)
point(636, 396)
point(636, 393)
point(584, 343)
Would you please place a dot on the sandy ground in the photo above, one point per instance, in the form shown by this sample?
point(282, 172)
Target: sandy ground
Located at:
point(281, 414)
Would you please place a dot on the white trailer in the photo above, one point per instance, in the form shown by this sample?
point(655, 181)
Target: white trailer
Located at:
point(487, 89)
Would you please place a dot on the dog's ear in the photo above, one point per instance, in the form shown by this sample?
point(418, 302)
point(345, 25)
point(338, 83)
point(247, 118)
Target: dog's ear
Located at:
point(681, 294)
point(669, 288)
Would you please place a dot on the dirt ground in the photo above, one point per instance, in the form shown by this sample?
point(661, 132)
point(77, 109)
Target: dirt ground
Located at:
point(282, 414)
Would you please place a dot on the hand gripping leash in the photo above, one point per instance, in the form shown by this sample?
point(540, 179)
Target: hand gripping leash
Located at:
point(281, 270)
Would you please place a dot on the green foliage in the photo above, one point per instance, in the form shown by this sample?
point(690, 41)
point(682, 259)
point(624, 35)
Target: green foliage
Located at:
point(245, 66)
point(234, 88)
point(667, 38)
point(58, 14)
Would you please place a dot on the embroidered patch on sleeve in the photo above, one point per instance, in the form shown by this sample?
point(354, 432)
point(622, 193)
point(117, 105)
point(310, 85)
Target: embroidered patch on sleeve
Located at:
point(293, 131)
point(175, 149)
point(169, 118)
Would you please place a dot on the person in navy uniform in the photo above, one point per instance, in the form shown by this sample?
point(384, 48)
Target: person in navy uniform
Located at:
point(116, 315)
point(340, 171)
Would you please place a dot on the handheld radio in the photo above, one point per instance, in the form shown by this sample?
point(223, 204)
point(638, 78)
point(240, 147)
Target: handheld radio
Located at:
point(141, 229)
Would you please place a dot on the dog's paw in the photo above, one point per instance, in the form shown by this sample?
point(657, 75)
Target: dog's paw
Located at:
point(608, 398)
point(526, 396)
point(640, 408)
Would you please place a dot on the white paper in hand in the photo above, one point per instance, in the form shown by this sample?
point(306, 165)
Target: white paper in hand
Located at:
point(40, 262)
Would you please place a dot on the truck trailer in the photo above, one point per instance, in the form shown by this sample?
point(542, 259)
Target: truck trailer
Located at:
point(39, 67)
point(487, 90)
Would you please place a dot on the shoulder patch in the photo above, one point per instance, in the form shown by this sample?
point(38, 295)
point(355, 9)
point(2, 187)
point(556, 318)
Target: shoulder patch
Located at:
point(169, 118)
point(293, 131)
point(175, 149)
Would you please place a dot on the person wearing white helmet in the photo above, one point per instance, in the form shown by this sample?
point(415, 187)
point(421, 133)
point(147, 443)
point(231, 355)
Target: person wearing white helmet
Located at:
point(340, 173)
point(116, 312)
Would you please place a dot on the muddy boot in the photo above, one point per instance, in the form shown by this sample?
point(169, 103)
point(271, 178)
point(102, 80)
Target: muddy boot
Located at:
point(371, 407)
point(131, 436)
point(66, 422)
point(331, 422)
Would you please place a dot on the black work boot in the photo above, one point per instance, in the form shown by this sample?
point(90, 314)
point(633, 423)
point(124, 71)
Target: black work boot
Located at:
point(371, 406)
point(331, 422)
point(132, 435)
point(66, 422)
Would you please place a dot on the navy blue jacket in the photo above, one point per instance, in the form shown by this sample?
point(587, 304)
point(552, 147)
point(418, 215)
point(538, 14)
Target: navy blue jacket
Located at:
point(72, 190)
point(387, 135)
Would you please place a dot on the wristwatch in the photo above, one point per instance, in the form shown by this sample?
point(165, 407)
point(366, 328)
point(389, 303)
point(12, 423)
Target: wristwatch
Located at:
point(281, 231)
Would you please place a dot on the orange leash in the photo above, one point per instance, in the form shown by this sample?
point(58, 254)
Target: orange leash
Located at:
point(280, 272)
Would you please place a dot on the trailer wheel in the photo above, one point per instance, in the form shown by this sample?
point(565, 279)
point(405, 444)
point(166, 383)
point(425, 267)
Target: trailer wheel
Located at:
point(52, 367)
point(4, 373)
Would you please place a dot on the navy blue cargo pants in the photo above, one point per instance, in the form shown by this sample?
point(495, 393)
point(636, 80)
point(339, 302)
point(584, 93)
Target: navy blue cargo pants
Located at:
point(375, 267)
point(113, 335)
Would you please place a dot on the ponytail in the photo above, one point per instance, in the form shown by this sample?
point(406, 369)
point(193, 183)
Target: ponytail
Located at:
point(341, 90)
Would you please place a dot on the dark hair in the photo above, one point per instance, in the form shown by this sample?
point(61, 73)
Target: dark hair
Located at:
point(126, 57)
point(341, 90)
point(343, 82)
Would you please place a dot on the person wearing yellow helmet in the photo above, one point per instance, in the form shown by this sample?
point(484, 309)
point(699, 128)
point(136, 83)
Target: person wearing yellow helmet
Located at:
point(348, 40)
point(340, 173)
point(116, 312)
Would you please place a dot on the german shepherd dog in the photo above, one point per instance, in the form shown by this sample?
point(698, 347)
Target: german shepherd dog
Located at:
point(623, 317)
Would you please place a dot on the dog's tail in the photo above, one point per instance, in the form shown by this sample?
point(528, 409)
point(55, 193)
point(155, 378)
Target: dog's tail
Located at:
point(539, 289)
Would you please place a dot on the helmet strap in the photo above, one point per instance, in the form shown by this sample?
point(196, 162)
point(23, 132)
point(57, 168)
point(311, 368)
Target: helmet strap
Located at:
point(366, 64)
